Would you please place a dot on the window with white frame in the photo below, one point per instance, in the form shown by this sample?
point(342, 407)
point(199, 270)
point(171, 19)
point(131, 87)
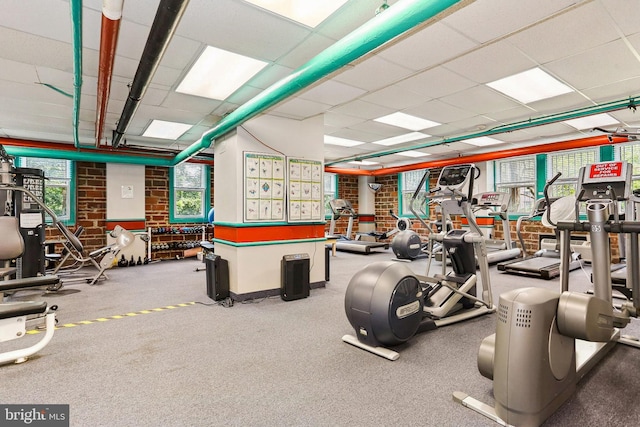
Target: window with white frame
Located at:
point(190, 184)
point(330, 191)
point(58, 186)
point(517, 177)
point(631, 153)
point(569, 164)
point(408, 182)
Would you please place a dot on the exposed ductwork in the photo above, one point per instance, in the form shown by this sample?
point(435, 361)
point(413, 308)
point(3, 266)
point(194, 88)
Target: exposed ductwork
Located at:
point(111, 15)
point(396, 20)
point(164, 26)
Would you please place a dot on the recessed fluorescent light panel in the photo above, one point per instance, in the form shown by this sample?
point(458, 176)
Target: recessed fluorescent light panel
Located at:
point(412, 153)
point(166, 130)
point(332, 140)
point(591, 122)
point(407, 137)
point(309, 13)
point(406, 121)
point(363, 162)
point(482, 141)
point(530, 86)
point(218, 73)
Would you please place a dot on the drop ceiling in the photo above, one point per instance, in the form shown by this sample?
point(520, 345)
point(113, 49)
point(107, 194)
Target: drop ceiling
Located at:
point(438, 72)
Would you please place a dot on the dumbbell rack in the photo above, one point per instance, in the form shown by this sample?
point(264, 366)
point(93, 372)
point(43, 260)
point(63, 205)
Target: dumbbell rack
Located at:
point(171, 242)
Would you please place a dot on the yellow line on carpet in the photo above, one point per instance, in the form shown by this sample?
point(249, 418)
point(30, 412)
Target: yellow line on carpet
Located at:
point(117, 316)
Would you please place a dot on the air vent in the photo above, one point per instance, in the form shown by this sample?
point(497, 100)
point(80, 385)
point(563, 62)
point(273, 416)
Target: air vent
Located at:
point(503, 313)
point(523, 318)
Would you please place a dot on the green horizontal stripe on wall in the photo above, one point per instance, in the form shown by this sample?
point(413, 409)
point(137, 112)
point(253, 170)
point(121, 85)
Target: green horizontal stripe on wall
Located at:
point(270, 243)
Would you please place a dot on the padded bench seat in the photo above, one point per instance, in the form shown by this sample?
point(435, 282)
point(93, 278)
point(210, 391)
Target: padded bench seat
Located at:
point(17, 309)
point(28, 282)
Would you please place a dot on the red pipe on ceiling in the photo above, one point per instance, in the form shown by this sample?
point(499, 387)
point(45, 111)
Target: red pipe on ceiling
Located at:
point(484, 157)
point(111, 16)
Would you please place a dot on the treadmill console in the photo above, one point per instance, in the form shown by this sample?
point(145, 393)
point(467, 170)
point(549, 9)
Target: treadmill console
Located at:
point(341, 207)
point(604, 180)
point(455, 178)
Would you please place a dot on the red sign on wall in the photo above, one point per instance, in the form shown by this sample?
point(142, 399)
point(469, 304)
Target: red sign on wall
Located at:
point(606, 170)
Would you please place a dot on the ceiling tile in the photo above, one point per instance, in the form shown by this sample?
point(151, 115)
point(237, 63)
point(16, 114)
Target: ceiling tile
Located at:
point(300, 108)
point(373, 74)
point(610, 62)
point(395, 97)
point(491, 62)
point(480, 100)
point(331, 93)
point(433, 45)
point(567, 34)
point(365, 110)
point(505, 16)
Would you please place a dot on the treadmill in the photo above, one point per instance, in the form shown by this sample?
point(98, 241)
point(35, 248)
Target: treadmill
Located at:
point(545, 263)
point(497, 250)
point(342, 208)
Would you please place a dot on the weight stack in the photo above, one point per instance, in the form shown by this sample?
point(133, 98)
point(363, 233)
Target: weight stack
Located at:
point(295, 277)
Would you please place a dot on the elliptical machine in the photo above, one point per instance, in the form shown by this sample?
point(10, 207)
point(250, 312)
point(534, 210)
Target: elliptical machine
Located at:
point(546, 341)
point(387, 304)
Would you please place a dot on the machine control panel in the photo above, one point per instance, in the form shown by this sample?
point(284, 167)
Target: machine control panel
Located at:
point(604, 180)
point(455, 178)
point(492, 199)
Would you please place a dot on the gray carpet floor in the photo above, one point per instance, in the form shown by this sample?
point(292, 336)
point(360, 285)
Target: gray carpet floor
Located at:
point(271, 362)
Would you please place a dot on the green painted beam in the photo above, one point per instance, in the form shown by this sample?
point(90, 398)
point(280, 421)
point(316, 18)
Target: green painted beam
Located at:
point(394, 21)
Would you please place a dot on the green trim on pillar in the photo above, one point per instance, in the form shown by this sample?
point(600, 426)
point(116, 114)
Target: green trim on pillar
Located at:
point(541, 174)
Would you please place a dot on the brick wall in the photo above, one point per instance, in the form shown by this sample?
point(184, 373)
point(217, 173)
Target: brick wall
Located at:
point(91, 206)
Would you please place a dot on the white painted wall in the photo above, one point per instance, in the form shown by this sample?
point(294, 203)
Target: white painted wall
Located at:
point(125, 191)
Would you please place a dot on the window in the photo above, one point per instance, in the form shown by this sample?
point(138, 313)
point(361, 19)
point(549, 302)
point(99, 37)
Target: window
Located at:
point(330, 191)
point(631, 153)
point(190, 192)
point(407, 184)
point(568, 163)
point(518, 178)
point(58, 188)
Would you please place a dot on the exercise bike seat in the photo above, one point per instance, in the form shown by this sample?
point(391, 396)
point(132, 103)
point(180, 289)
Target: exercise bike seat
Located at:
point(17, 309)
